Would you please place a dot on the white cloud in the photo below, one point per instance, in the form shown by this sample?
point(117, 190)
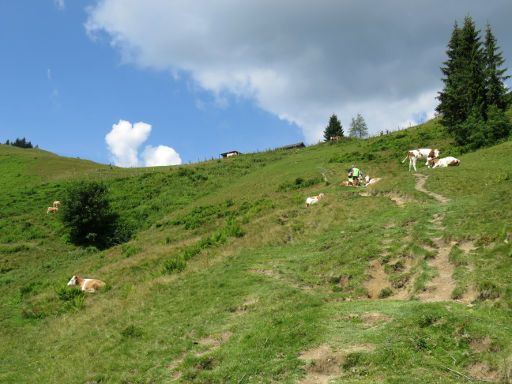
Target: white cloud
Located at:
point(298, 59)
point(124, 141)
point(60, 4)
point(161, 155)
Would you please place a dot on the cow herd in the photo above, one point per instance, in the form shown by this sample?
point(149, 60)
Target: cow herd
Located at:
point(432, 161)
point(432, 156)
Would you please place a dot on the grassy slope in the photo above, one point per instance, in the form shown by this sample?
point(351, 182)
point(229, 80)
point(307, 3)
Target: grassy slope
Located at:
point(246, 307)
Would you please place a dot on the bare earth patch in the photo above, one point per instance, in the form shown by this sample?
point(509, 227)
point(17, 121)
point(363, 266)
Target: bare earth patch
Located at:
point(371, 319)
point(401, 201)
point(378, 280)
point(481, 345)
point(481, 371)
point(323, 364)
point(466, 246)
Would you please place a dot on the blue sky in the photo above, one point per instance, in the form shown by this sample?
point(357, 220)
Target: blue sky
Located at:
point(211, 77)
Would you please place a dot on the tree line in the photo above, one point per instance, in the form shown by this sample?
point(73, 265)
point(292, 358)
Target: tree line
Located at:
point(334, 129)
point(21, 143)
point(474, 99)
point(473, 102)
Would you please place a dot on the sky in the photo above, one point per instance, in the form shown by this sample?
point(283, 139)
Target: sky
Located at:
point(161, 82)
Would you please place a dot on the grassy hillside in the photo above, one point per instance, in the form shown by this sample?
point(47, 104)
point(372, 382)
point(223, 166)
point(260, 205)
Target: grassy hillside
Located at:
point(230, 278)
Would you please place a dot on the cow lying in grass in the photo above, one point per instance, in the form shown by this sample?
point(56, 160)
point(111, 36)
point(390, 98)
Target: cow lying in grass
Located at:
point(86, 285)
point(370, 180)
point(449, 161)
point(422, 153)
point(365, 182)
point(314, 199)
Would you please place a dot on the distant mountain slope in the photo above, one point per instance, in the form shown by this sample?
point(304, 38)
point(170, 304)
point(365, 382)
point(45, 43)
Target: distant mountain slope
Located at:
point(230, 278)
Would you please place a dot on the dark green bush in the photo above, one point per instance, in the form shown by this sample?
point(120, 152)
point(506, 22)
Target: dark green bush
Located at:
point(87, 215)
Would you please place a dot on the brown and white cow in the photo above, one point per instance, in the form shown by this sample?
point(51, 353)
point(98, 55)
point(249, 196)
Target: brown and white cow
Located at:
point(314, 199)
point(87, 285)
point(421, 153)
point(449, 161)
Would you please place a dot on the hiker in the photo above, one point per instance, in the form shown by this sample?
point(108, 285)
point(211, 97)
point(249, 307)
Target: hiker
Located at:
point(353, 175)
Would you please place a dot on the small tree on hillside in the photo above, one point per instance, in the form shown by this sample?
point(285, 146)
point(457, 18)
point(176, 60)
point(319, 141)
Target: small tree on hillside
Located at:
point(87, 215)
point(333, 129)
point(358, 127)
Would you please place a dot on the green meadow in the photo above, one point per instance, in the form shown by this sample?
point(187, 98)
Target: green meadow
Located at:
point(229, 278)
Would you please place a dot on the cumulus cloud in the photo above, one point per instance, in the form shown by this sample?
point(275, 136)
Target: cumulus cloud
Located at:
point(298, 59)
point(160, 155)
point(124, 141)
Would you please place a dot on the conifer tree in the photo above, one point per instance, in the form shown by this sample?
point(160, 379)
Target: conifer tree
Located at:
point(358, 127)
point(474, 88)
point(472, 68)
point(450, 98)
point(333, 129)
point(496, 92)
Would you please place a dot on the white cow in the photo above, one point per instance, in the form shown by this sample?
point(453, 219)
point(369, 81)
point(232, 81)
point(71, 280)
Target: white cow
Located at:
point(422, 153)
point(314, 199)
point(449, 161)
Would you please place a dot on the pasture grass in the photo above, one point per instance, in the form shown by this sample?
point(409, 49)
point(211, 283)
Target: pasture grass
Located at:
point(229, 277)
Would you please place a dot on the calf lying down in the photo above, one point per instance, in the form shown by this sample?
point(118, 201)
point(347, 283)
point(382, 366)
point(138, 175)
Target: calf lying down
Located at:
point(314, 199)
point(444, 162)
point(87, 285)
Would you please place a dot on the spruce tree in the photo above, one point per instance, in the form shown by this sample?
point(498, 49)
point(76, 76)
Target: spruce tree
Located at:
point(472, 68)
point(451, 99)
point(496, 92)
point(333, 129)
point(358, 127)
point(473, 84)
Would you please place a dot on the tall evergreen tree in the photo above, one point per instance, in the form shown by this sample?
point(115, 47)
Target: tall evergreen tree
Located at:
point(450, 98)
point(473, 83)
point(472, 68)
point(333, 129)
point(496, 92)
point(358, 127)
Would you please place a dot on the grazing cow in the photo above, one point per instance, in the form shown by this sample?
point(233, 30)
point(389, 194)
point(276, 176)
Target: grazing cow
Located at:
point(56, 204)
point(422, 153)
point(334, 138)
point(87, 285)
point(449, 161)
point(52, 210)
point(314, 199)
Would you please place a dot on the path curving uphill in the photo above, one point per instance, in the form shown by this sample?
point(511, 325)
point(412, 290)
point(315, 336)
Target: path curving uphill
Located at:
point(420, 186)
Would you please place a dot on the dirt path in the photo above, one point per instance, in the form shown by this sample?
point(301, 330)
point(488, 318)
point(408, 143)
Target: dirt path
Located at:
point(420, 186)
point(441, 286)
